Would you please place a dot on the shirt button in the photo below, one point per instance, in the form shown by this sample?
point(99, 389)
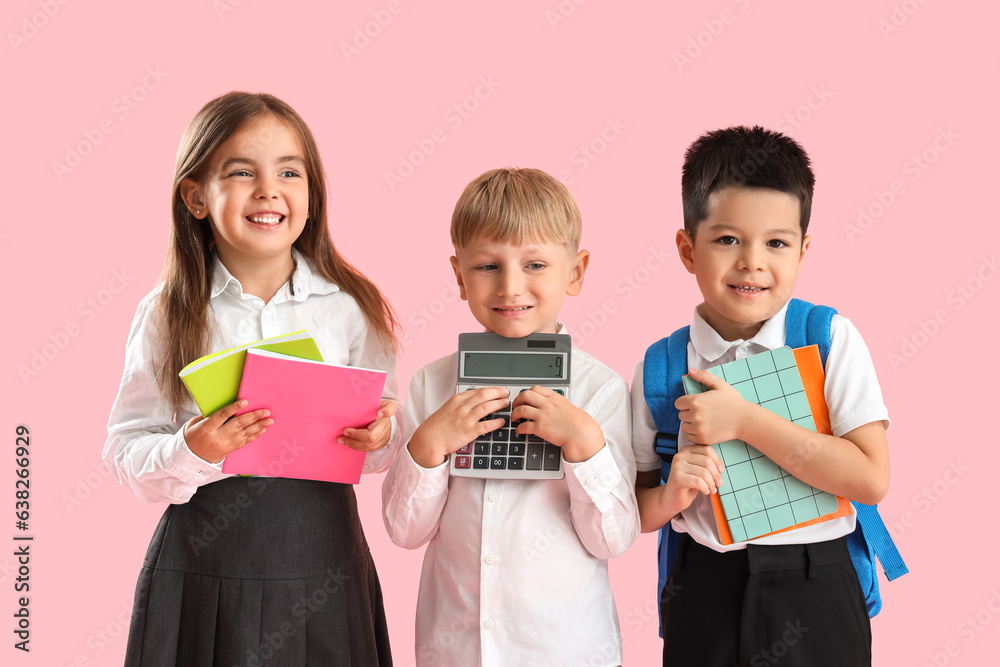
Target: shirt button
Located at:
point(488, 624)
point(490, 559)
point(494, 497)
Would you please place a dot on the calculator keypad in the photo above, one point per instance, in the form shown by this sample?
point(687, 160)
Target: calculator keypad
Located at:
point(505, 453)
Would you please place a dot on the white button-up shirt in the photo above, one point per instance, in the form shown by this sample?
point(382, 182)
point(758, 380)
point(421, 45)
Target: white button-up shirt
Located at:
point(515, 571)
point(146, 449)
point(851, 390)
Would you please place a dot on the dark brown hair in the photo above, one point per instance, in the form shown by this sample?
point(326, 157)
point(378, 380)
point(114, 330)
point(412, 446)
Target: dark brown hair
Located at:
point(748, 157)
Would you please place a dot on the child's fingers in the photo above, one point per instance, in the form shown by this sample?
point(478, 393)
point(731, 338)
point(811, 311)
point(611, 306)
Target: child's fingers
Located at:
point(525, 411)
point(246, 424)
point(224, 413)
point(484, 427)
point(535, 396)
point(709, 380)
point(387, 409)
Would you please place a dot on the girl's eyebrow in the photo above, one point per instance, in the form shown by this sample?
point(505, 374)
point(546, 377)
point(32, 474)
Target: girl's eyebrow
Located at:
point(230, 162)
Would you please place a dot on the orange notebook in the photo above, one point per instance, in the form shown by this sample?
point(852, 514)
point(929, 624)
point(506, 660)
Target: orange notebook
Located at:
point(810, 370)
point(311, 403)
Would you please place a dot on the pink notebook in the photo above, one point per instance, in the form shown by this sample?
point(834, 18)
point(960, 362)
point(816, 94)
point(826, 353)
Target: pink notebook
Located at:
point(311, 403)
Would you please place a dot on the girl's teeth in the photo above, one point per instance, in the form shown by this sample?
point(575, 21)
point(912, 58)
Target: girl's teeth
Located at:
point(748, 289)
point(265, 219)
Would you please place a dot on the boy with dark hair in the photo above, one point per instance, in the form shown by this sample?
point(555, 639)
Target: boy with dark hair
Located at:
point(747, 194)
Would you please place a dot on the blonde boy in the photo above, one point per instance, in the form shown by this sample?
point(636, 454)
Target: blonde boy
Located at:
point(515, 572)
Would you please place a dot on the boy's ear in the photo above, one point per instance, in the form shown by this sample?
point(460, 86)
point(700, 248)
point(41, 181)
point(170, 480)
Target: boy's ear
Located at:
point(805, 246)
point(458, 277)
point(193, 198)
point(577, 270)
point(685, 248)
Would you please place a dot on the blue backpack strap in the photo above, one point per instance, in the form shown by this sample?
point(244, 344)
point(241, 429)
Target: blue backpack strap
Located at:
point(806, 324)
point(664, 366)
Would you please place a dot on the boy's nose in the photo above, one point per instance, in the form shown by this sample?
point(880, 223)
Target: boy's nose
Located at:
point(511, 283)
point(751, 259)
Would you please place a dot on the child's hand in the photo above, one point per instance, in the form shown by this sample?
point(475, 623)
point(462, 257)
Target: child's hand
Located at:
point(714, 416)
point(212, 438)
point(695, 469)
point(455, 424)
point(552, 417)
point(376, 435)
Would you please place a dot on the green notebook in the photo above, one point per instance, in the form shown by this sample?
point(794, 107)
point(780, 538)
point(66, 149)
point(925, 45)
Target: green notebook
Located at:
point(758, 497)
point(214, 380)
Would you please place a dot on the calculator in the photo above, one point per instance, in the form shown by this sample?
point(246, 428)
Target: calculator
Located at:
point(490, 360)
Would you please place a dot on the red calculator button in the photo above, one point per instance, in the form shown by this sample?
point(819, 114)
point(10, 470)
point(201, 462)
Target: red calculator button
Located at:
point(463, 461)
point(467, 449)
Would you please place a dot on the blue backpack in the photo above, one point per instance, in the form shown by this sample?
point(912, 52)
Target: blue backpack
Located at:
point(666, 363)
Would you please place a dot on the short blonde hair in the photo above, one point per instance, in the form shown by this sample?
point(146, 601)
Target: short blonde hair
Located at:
point(513, 205)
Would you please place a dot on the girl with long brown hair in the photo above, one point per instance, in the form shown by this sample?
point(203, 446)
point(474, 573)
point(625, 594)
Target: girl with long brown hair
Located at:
point(249, 570)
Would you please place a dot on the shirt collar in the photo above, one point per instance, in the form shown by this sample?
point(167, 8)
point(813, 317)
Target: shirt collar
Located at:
point(305, 279)
point(711, 346)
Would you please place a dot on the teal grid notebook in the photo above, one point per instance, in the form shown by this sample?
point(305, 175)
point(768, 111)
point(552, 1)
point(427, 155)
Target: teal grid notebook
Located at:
point(757, 496)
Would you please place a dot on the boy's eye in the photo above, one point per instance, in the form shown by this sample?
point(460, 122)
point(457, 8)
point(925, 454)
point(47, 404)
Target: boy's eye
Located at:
point(777, 243)
point(726, 240)
point(536, 266)
point(486, 267)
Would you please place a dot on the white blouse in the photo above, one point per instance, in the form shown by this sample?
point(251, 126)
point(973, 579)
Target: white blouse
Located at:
point(146, 450)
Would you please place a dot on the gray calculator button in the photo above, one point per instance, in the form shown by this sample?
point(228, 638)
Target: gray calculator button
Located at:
point(480, 462)
point(498, 463)
point(535, 454)
point(499, 449)
point(515, 463)
point(551, 457)
point(501, 435)
point(483, 448)
point(517, 449)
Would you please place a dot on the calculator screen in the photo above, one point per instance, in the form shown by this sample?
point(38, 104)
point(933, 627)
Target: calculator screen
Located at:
point(514, 365)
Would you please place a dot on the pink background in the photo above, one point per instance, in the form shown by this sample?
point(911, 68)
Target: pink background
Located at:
point(863, 100)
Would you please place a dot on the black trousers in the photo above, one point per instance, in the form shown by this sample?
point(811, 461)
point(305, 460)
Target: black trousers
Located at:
point(791, 605)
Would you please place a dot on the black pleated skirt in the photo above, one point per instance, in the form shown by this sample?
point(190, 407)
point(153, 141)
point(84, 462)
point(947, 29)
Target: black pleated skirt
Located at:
point(259, 572)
